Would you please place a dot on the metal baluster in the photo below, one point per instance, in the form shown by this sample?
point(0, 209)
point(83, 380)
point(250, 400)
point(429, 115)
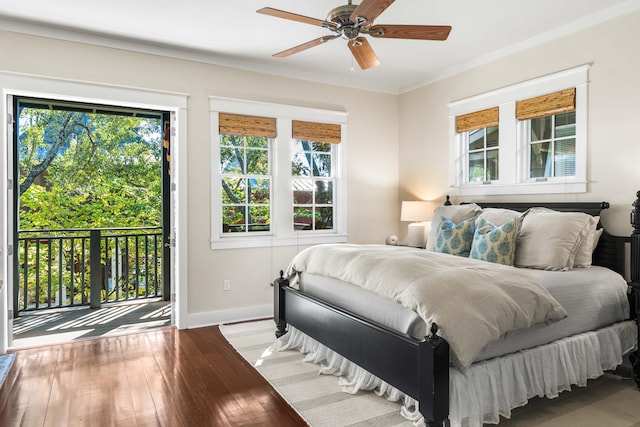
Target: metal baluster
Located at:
point(49, 278)
point(37, 273)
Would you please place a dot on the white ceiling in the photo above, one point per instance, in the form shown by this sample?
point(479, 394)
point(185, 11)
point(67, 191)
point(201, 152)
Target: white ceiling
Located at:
point(230, 32)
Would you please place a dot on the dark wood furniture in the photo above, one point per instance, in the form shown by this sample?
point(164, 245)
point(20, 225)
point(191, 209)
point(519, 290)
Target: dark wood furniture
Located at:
point(419, 368)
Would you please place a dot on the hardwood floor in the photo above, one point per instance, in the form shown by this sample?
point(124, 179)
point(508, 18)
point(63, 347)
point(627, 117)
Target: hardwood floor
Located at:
point(166, 377)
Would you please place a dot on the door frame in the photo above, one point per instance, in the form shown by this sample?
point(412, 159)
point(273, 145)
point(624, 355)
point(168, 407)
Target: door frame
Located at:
point(17, 84)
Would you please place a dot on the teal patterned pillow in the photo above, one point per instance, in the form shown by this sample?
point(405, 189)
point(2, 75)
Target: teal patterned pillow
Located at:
point(495, 244)
point(455, 239)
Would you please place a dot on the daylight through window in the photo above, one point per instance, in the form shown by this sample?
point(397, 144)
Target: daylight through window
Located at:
point(528, 138)
point(246, 183)
point(277, 178)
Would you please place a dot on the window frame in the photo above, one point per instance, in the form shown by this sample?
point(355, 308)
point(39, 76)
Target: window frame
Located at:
point(311, 179)
point(245, 175)
point(282, 232)
point(514, 156)
point(484, 150)
point(553, 141)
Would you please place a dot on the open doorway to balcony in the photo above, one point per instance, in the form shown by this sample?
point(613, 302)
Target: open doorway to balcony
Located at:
point(91, 224)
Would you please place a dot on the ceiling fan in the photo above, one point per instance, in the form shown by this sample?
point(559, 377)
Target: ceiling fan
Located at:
point(351, 21)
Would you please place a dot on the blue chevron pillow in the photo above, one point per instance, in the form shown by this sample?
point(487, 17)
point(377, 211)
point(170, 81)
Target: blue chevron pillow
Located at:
point(495, 244)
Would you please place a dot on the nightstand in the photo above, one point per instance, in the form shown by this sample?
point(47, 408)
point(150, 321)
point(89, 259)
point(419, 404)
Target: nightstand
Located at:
point(635, 314)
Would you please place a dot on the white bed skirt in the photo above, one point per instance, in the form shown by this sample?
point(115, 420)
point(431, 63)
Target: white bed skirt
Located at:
point(491, 388)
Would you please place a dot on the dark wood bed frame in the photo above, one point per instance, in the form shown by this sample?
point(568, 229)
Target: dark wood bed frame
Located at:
point(420, 368)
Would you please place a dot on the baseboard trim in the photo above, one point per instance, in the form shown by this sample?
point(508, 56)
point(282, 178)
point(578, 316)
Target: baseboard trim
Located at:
point(242, 314)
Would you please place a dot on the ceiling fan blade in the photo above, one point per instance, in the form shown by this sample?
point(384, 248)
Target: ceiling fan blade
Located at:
point(303, 46)
point(415, 32)
point(294, 17)
point(363, 53)
point(370, 9)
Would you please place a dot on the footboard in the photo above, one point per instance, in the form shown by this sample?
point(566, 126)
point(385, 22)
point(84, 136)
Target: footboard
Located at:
point(419, 368)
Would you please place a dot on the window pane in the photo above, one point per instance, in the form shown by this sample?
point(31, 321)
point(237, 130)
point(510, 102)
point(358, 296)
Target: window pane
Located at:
point(492, 164)
point(321, 147)
point(540, 129)
point(232, 140)
point(565, 157)
point(259, 219)
point(492, 136)
point(302, 218)
point(324, 192)
point(231, 160)
point(302, 192)
point(324, 218)
point(476, 139)
point(233, 219)
point(255, 142)
point(322, 165)
point(259, 191)
point(258, 162)
point(300, 164)
point(565, 125)
point(312, 159)
point(540, 160)
point(233, 191)
point(476, 167)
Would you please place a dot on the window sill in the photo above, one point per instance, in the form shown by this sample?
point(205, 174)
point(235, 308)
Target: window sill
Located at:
point(246, 242)
point(546, 187)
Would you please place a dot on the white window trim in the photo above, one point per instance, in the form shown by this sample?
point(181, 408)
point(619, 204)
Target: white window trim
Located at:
point(282, 232)
point(513, 142)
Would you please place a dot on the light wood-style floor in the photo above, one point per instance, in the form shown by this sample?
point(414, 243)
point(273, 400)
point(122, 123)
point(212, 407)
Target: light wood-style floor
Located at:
point(166, 377)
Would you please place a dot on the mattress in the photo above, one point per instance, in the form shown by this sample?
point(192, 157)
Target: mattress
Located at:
point(593, 297)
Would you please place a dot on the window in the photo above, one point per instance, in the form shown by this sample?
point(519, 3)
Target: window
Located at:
point(312, 185)
point(533, 142)
point(550, 137)
point(552, 146)
point(246, 183)
point(479, 133)
point(483, 154)
point(277, 180)
point(245, 172)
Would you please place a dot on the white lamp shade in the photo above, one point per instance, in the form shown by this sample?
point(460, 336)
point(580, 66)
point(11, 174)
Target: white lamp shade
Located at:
point(416, 211)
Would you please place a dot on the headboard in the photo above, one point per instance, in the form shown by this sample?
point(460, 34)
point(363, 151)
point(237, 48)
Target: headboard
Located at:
point(610, 251)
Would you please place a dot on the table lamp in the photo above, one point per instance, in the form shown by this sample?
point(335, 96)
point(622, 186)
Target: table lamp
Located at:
point(418, 212)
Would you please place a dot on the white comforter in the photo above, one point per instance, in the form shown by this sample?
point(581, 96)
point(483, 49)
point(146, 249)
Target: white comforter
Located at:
point(473, 302)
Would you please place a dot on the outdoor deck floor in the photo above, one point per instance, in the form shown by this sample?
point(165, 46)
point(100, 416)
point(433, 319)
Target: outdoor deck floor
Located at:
point(54, 326)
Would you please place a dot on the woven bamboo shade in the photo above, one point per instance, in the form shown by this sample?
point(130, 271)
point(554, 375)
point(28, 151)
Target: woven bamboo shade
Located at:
point(547, 105)
point(477, 120)
point(316, 132)
point(234, 124)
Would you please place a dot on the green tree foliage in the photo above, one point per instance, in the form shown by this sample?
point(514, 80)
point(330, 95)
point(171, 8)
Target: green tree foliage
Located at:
point(86, 170)
point(246, 186)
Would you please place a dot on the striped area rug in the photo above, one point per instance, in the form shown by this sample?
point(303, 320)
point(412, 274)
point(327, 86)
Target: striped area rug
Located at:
point(317, 398)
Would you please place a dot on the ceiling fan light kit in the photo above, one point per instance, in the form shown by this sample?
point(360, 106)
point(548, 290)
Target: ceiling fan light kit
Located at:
point(351, 21)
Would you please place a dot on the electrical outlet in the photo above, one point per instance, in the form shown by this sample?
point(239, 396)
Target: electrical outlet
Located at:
point(226, 285)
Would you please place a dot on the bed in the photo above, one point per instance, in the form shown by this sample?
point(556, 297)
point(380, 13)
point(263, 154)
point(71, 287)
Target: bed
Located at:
point(423, 361)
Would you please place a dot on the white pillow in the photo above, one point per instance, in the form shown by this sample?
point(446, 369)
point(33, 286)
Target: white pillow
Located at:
point(455, 214)
point(549, 240)
point(584, 256)
point(498, 216)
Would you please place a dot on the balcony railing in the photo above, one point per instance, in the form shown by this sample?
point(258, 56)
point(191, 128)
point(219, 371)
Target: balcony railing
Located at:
point(75, 267)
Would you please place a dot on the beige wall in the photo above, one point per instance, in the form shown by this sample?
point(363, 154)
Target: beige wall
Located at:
point(372, 154)
point(614, 91)
point(397, 146)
